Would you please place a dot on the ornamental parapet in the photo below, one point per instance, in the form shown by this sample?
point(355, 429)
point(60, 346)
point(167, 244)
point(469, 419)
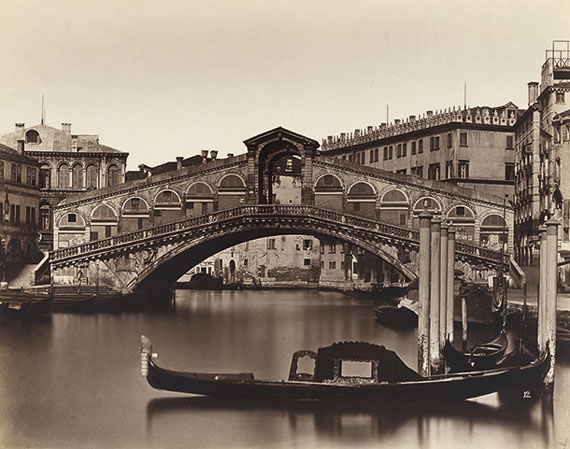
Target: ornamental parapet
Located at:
point(497, 116)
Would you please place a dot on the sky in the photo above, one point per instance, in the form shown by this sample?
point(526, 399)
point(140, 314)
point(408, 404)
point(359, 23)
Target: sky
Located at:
point(166, 78)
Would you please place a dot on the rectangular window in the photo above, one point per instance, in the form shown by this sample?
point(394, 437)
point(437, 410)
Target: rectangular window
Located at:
point(433, 171)
point(509, 171)
point(463, 169)
point(510, 143)
point(28, 175)
point(376, 155)
point(404, 150)
point(420, 171)
point(403, 219)
point(18, 173)
point(140, 223)
point(33, 220)
point(332, 265)
point(245, 262)
point(403, 171)
point(449, 169)
point(271, 244)
point(94, 235)
point(460, 211)
point(12, 213)
point(434, 143)
point(371, 156)
point(385, 153)
point(307, 262)
point(34, 176)
point(399, 150)
point(17, 214)
point(413, 148)
point(108, 231)
point(13, 173)
point(332, 247)
point(307, 244)
point(350, 158)
point(559, 97)
point(420, 146)
point(449, 140)
point(358, 158)
point(390, 153)
point(28, 215)
point(1, 212)
point(463, 139)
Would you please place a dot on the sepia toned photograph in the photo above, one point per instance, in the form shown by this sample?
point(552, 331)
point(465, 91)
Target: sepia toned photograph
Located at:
point(284, 224)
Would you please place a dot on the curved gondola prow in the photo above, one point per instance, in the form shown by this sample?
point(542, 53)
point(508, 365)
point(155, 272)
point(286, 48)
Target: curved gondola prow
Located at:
point(146, 354)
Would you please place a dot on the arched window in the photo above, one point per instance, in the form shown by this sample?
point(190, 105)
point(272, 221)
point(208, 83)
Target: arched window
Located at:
point(32, 136)
point(77, 177)
point(63, 176)
point(113, 175)
point(135, 215)
point(91, 181)
point(361, 200)
point(45, 216)
point(45, 176)
point(103, 222)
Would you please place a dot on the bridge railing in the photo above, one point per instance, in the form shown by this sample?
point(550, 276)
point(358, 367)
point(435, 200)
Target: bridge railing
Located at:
point(256, 210)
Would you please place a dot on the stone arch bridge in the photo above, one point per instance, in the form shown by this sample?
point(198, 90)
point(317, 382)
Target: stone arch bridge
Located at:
point(151, 231)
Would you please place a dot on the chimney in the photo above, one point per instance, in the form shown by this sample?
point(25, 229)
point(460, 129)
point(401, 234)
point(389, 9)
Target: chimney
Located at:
point(412, 118)
point(21, 146)
point(204, 155)
point(20, 127)
point(396, 121)
point(356, 133)
point(179, 160)
point(329, 139)
point(532, 92)
point(370, 129)
point(213, 154)
point(230, 155)
point(342, 136)
point(429, 113)
point(66, 128)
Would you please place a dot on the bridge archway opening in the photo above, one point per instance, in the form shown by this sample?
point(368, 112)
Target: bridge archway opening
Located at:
point(165, 271)
point(280, 165)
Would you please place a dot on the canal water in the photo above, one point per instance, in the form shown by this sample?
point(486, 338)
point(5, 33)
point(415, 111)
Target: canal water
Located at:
point(72, 380)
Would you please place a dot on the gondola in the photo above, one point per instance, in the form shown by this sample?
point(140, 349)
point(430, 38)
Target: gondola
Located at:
point(479, 357)
point(390, 378)
point(396, 316)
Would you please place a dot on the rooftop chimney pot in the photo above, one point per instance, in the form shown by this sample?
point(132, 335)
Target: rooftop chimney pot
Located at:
point(532, 92)
point(179, 160)
point(21, 144)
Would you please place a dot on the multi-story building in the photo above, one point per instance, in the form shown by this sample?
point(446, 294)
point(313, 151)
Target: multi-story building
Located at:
point(19, 208)
point(539, 160)
point(470, 147)
point(69, 163)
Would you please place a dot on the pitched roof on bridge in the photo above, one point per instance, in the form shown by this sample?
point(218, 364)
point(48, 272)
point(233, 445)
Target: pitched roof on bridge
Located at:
point(280, 132)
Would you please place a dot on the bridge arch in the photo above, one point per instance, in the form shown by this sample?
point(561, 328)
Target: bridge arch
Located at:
point(329, 192)
point(167, 268)
point(104, 222)
point(361, 199)
point(395, 207)
point(199, 199)
point(231, 191)
point(432, 204)
point(463, 218)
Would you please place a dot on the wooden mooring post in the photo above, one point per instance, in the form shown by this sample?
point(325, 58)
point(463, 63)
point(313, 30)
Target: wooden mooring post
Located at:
point(463, 323)
point(424, 293)
point(450, 281)
point(434, 302)
point(541, 316)
point(549, 333)
point(443, 266)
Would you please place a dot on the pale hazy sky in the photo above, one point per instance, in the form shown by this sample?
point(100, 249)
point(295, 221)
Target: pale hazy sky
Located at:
point(166, 78)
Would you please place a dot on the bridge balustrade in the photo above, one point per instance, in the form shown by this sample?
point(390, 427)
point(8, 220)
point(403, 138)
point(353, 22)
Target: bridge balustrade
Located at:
point(253, 210)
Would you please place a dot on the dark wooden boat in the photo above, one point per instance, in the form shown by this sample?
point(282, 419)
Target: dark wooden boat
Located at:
point(390, 378)
point(25, 309)
point(396, 316)
point(479, 357)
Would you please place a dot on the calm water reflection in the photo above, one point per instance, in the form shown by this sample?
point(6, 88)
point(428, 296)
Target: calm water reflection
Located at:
point(73, 380)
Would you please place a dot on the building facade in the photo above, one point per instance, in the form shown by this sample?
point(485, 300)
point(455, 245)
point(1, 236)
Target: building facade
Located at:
point(541, 163)
point(69, 164)
point(472, 148)
point(19, 208)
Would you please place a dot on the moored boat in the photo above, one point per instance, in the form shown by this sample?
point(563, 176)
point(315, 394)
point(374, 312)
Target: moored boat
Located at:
point(389, 379)
point(479, 357)
point(401, 315)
